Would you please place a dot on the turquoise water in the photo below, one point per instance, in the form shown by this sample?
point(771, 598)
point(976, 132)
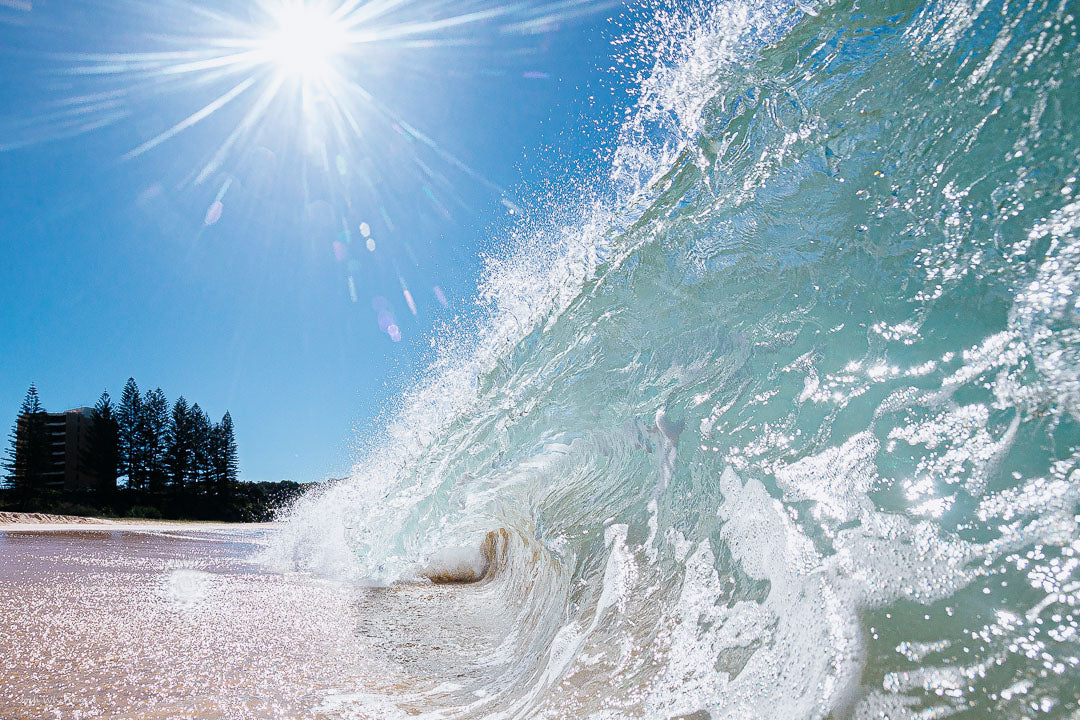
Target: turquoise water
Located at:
point(782, 418)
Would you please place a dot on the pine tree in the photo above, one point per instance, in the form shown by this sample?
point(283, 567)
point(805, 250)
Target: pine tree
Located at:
point(103, 452)
point(128, 416)
point(202, 445)
point(180, 450)
point(153, 431)
point(226, 464)
point(28, 457)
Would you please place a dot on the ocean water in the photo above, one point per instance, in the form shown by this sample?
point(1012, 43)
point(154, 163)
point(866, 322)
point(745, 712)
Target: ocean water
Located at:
point(779, 418)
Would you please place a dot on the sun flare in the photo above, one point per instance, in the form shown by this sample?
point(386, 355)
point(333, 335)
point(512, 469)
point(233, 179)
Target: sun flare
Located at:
point(304, 43)
point(284, 58)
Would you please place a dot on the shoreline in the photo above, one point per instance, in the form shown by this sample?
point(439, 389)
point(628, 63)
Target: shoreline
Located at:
point(45, 522)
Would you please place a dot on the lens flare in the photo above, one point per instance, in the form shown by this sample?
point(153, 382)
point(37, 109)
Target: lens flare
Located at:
point(306, 101)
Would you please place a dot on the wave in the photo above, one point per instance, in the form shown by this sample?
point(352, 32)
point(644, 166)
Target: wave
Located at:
point(781, 418)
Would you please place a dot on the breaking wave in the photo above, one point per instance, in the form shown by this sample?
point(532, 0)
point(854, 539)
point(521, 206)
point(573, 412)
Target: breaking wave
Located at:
point(779, 420)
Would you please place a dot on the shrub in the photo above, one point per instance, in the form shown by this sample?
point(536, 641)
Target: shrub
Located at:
point(144, 511)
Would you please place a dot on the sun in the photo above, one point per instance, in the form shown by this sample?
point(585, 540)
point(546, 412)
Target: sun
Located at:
point(304, 43)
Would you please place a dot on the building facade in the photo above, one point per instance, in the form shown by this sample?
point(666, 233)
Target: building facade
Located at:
point(67, 439)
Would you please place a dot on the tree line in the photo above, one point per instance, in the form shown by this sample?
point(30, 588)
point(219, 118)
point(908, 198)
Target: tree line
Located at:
point(149, 458)
point(155, 447)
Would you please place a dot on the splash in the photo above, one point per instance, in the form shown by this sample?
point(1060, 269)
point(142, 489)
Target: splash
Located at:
point(779, 419)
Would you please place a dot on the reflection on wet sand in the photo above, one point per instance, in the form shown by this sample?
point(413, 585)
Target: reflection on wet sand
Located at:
point(167, 625)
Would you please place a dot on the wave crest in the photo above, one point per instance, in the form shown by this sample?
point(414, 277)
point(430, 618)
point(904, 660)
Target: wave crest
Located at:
point(787, 400)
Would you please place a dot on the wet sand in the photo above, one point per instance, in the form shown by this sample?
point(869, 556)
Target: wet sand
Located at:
point(137, 620)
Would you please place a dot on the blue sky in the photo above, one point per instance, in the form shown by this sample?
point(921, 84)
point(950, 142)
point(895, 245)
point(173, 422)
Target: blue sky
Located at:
point(133, 245)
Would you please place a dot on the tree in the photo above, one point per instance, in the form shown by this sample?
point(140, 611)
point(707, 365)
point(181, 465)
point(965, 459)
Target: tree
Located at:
point(166, 453)
point(202, 445)
point(225, 463)
point(128, 417)
point(153, 431)
point(180, 447)
point(28, 457)
point(103, 451)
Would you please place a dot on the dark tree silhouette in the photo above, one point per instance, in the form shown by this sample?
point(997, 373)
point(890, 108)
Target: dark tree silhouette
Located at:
point(128, 416)
point(202, 444)
point(27, 458)
point(224, 459)
point(103, 452)
point(152, 436)
point(177, 463)
point(180, 445)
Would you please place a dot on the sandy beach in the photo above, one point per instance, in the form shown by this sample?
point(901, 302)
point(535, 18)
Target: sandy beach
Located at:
point(44, 522)
point(164, 620)
point(180, 620)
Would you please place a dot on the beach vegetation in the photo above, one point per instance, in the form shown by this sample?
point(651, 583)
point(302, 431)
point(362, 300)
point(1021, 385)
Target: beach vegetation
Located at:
point(144, 458)
point(26, 462)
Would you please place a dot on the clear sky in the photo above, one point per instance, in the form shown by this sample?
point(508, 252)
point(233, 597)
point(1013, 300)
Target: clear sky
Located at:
point(229, 199)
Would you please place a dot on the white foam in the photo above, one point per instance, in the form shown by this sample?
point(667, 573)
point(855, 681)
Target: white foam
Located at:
point(837, 479)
